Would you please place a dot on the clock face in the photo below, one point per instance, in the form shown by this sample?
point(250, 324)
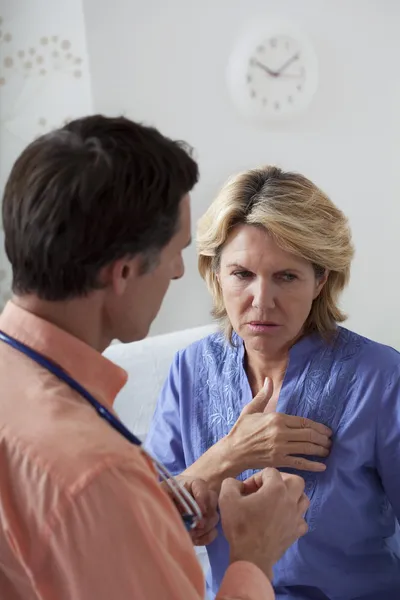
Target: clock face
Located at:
point(277, 74)
point(273, 75)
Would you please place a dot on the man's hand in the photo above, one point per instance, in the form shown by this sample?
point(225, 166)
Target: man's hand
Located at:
point(207, 499)
point(263, 516)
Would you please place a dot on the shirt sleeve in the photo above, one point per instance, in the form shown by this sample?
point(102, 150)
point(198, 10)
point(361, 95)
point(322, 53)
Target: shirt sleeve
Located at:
point(164, 439)
point(121, 537)
point(245, 581)
point(388, 441)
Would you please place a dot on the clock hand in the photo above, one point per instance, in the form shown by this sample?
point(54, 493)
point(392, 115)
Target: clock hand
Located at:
point(287, 63)
point(264, 68)
point(290, 76)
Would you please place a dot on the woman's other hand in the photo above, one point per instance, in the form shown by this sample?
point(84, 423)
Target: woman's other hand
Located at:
point(207, 499)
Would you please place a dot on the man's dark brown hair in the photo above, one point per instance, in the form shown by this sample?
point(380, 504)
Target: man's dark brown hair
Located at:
point(90, 193)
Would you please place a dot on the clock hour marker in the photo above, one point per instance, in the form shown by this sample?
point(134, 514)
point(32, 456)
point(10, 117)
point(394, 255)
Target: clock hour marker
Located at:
point(272, 43)
point(249, 79)
point(290, 98)
point(253, 93)
point(277, 106)
point(260, 49)
point(299, 87)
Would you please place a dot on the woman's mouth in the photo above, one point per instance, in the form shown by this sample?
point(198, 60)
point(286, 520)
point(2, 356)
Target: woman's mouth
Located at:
point(263, 326)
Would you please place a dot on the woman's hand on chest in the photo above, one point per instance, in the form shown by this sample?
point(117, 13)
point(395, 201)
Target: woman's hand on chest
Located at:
point(261, 438)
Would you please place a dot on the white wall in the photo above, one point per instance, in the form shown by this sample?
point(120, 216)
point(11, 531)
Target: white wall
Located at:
point(164, 63)
point(44, 80)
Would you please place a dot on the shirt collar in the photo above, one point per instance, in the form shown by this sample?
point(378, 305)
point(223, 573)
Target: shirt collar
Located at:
point(98, 375)
point(305, 345)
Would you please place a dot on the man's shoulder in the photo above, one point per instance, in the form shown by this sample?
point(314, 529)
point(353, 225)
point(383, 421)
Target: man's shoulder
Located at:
point(63, 448)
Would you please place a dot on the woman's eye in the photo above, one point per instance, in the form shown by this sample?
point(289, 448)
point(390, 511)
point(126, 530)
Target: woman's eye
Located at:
point(287, 277)
point(242, 274)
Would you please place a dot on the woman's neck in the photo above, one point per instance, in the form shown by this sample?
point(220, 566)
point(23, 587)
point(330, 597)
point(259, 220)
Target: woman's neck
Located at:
point(259, 365)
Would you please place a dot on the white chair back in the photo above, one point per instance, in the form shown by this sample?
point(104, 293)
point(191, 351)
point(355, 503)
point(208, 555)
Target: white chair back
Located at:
point(147, 363)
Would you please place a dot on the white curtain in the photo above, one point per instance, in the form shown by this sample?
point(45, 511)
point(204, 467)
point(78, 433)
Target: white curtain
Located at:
point(44, 81)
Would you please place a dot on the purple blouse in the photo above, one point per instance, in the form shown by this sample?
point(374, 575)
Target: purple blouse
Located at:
point(352, 385)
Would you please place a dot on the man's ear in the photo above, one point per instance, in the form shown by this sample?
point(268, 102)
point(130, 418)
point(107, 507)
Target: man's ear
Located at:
point(119, 273)
point(320, 282)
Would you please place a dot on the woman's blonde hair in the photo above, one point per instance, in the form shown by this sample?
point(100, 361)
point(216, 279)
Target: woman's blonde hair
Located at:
point(301, 219)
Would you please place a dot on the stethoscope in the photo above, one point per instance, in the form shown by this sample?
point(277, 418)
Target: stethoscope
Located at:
point(192, 514)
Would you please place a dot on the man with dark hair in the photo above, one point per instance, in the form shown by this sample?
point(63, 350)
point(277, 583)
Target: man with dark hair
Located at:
point(96, 216)
point(96, 196)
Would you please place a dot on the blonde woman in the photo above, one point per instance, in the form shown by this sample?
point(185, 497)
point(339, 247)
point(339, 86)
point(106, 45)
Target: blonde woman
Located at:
point(275, 253)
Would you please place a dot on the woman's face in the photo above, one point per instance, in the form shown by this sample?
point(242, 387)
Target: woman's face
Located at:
point(268, 292)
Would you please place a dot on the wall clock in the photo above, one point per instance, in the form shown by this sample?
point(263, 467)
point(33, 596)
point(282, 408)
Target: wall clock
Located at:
point(273, 72)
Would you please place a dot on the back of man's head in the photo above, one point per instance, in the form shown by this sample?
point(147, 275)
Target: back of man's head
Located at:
point(86, 195)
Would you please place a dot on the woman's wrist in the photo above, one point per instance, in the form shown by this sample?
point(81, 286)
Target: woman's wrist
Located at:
point(215, 465)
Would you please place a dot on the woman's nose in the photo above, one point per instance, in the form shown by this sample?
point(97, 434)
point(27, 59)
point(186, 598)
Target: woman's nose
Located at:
point(264, 295)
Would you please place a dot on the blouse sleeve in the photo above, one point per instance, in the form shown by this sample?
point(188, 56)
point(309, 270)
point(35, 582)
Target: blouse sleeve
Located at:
point(164, 440)
point(388, 441)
